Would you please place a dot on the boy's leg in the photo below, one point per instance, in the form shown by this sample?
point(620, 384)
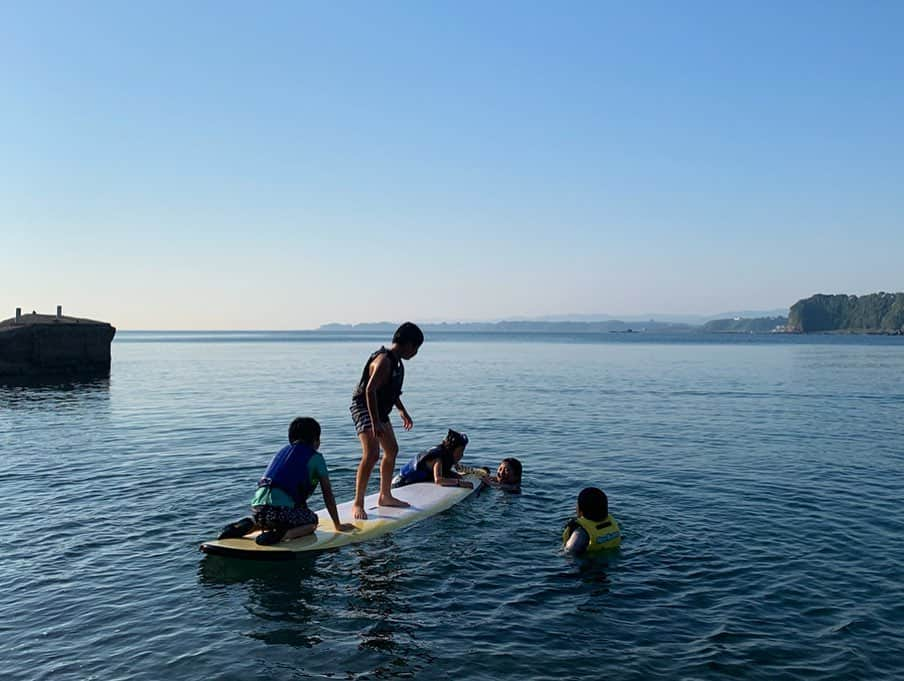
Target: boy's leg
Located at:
point(387, 468)
point(238, 529)
point(300, 531)
point(370, 452)
point(281, 523)
point(303, 521)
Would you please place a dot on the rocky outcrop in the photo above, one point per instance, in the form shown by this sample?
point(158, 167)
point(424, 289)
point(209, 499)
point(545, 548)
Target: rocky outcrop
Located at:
point(41, 345)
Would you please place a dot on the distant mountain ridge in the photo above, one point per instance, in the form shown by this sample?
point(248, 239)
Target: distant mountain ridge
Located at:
point(592, 323)
point(871, 313)
point(519, 327)
point(571, 323)
point(692, 319)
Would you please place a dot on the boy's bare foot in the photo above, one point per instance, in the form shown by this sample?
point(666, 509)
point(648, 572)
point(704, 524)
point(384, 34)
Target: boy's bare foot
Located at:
point(358, 512)
point(392, 501)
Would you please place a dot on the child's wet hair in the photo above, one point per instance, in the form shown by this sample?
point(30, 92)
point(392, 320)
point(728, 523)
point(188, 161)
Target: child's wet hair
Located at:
point(409, 333)
point(454, 439)
point(515, 465)
point(593, 503)
point(304, 429)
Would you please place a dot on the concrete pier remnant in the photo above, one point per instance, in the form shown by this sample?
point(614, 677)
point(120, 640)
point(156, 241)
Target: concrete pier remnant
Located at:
point(35, 345)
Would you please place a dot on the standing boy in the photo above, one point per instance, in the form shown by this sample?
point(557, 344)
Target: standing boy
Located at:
point(378, 391)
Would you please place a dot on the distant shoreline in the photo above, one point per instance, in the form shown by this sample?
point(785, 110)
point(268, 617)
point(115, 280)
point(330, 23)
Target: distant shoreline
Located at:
point(695, 331)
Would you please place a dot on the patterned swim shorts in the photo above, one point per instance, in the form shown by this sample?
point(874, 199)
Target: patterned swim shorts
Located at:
point(282, 517)
point(361, 417)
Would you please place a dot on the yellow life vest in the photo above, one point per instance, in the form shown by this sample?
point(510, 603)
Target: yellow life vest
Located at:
point(603, 535)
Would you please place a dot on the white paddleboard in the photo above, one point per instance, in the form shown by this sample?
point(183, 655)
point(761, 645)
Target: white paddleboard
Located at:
point(426, 499)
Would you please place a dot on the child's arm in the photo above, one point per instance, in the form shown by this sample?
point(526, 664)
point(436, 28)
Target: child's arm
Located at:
point(578, 541)
point(482, 471)
point(330, 502)
point(447, 482)
point(407, 423)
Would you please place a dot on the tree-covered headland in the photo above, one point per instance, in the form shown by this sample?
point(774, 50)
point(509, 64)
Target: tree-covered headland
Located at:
point(876, 312)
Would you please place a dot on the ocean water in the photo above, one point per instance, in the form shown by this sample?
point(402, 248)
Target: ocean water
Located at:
point(757, 480)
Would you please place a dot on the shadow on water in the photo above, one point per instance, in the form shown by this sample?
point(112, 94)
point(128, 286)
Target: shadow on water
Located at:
point(289, 601)
point(390, 627)
point(360, 591)
point(591, 575)
point(282, 597)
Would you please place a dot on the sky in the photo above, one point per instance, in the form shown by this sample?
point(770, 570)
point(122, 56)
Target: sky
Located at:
point(234, 165)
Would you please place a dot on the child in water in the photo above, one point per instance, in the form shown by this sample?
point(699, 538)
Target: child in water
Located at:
point(594, 529)
point(377, 392)
point(436, 464)
point(280, 505)
point(507, 478)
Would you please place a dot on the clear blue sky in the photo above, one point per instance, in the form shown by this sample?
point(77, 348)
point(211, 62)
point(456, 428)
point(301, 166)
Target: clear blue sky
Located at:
point(283, 165)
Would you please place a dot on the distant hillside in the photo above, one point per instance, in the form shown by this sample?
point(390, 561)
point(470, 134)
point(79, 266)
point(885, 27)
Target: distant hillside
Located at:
point(745, 325)
point(876, 312)
point(613, 326)
point(638, 319)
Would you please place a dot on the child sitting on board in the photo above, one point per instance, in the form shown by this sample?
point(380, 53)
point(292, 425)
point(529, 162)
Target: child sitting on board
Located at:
point(436, 464)
point(507, 478)
point(594, 529)
point(280, 505)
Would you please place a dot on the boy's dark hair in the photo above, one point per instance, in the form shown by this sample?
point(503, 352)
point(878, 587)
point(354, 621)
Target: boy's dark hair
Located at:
point(516, 466)
point(593, 503)
point(409, 333)
point(304, 429)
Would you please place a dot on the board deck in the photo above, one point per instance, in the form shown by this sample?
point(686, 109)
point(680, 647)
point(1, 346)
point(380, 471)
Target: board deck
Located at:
point(426, 499)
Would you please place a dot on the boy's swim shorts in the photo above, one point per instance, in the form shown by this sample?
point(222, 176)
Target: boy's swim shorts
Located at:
point(282, 517)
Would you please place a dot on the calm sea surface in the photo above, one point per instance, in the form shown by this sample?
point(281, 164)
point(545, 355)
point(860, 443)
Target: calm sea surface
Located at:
point(758, 482)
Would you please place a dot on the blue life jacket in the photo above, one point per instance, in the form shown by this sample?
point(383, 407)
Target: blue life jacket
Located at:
point(420, 469)
point(288, 471)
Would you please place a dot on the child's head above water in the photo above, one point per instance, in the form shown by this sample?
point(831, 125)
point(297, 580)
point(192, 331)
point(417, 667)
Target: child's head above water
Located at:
point(509, 472)
point(593, 504)
point(305, 429)
point(455, 442)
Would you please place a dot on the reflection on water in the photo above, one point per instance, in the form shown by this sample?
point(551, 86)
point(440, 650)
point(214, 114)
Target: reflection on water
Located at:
point(283, 598)
point(29, 411)
point(52, 392)
point(373, 598)
point(593, 572)
point(364, 587)
point(388, 625)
